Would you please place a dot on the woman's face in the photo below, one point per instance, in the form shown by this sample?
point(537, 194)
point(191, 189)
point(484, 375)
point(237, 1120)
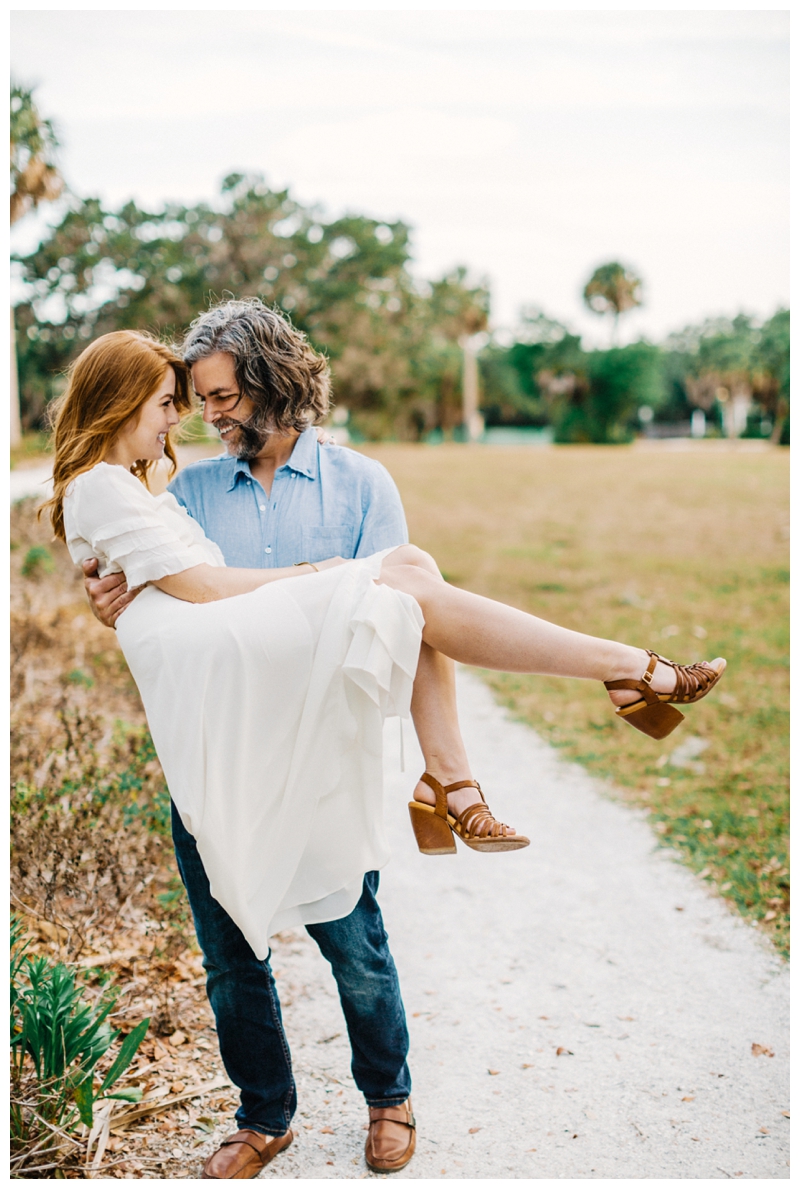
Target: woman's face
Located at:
point(143, 437)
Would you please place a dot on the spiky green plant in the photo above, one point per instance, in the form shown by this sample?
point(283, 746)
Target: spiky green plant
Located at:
point(58, 1040)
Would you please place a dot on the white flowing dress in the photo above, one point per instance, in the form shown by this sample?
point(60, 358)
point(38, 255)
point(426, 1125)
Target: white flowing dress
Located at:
point(266, 709)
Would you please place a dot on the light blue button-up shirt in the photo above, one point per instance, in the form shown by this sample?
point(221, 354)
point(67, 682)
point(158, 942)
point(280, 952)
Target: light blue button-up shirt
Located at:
point(326, 501)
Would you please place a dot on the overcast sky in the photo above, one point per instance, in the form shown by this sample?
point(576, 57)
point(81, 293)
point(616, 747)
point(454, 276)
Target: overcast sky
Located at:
point(530, 146)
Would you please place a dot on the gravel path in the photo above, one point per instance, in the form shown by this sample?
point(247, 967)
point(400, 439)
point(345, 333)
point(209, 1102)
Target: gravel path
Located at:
point(582, 1008)
point(31, 481)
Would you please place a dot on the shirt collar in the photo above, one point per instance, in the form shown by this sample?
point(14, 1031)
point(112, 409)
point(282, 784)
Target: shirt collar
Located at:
point(240, 467)
point(303, 459)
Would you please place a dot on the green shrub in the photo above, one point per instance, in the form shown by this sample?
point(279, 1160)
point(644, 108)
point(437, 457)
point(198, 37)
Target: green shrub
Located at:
point(38, 560)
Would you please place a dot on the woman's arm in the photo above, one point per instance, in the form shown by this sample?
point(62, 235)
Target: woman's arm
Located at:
point(206, 584)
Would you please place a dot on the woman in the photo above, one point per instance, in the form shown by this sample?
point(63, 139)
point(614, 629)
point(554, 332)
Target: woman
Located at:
point(265, 693)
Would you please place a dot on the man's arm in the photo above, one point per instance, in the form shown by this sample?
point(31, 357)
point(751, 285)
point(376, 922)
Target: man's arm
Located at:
point(384, 522)
point(108, 597)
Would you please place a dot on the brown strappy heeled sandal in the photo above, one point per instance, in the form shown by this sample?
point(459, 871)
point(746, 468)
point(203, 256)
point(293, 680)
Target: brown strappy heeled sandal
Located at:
point(434, 825)
point(652, 713)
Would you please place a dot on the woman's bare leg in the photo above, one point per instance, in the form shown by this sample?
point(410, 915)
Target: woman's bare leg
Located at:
point(435, 715)
point(476, 630)
point(435, 712)
point(479, 631)
point(433, 704)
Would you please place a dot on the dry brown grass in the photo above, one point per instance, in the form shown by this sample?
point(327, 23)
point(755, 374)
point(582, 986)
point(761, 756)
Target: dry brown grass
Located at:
point(93, 874)
point(683, 552)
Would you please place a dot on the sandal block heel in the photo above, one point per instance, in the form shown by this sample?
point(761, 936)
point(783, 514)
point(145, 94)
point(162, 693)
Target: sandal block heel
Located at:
point(435, 827)
point(652, 713)
point(433, 835)
point(657, 721)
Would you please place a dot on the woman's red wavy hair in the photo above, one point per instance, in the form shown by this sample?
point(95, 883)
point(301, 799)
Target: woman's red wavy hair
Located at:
point(106, 386)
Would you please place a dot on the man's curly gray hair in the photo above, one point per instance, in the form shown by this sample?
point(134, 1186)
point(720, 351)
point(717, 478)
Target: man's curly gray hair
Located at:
point(276, 367)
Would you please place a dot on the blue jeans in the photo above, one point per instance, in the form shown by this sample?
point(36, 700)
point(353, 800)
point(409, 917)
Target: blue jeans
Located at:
point(244, 1000)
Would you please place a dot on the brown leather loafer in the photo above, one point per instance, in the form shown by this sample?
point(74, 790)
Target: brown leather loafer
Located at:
point(392, 1137)
point(244, 1155)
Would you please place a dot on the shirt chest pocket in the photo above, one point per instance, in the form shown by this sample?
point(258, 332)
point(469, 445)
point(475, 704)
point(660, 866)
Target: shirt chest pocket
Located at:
point(330, 540)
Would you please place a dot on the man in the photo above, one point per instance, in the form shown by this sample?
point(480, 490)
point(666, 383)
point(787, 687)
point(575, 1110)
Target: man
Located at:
point(278, 497)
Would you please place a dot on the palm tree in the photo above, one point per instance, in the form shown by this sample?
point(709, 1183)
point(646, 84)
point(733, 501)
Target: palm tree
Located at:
point(34, 179)
point(460, 312)
point(613, 289)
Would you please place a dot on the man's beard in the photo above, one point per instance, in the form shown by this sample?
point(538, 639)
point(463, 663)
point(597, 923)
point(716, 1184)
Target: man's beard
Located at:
point(248, 439)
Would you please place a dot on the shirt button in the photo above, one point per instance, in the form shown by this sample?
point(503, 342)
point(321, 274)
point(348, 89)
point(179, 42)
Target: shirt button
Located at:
point(262, 508)
point(268, 549)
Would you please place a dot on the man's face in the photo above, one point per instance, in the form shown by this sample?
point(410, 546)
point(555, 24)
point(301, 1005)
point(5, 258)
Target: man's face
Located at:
point(230, 412)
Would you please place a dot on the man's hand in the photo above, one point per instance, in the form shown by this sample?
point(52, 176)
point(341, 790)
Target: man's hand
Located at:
point(108, 597)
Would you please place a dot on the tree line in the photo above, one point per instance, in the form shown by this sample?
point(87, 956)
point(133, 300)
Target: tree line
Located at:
point(396, 344)
point(735, 372)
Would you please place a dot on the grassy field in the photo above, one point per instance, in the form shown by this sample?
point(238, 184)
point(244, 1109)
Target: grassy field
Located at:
point(682, 552)
point(31, 449)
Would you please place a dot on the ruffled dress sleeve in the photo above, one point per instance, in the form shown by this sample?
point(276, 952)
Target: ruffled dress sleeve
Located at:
point(109, 514)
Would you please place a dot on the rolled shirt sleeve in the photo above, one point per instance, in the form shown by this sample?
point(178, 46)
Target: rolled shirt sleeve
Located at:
point(383, 523)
